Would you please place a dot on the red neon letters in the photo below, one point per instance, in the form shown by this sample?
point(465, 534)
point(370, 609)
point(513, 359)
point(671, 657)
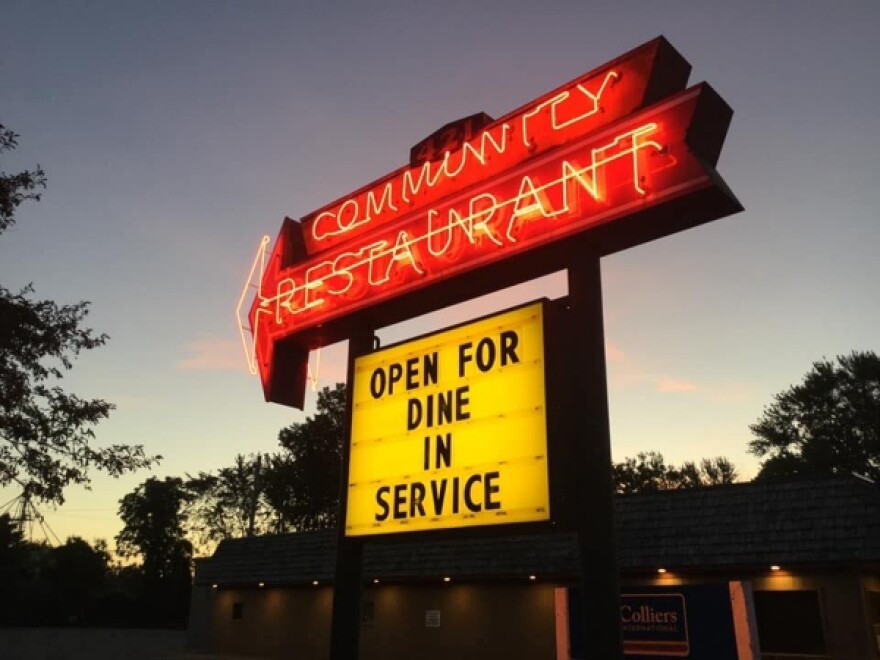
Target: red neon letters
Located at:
point(569, 162)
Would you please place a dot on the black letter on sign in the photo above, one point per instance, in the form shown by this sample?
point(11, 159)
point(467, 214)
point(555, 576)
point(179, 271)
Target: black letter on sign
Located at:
point(418, 496)
point(399, 502)
point(438, 492)
point(430, 367)
point(485, 354)
point(468, 500)
point(395, 373)
point(462, 402)
point(463, 357)
point(377, 388)
point(412, 373)
point(509, 342)
point(444, 451)
point(380, 517)
point(413, 414)
point(492, 489)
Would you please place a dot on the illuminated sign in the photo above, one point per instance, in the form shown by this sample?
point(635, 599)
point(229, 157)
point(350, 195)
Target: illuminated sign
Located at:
point(450, 430)
point(587, 161)
point(654, 624)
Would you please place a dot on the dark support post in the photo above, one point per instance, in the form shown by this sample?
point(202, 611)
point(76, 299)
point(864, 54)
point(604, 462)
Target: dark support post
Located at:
point(346, 625)
point(594, 489)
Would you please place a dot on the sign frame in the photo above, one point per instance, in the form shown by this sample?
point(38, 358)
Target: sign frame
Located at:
point(557, 448)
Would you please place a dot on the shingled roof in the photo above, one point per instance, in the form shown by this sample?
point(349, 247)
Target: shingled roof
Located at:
point(827, 522)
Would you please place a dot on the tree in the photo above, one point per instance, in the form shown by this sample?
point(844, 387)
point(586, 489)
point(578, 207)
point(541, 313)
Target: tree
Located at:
point(153, 528)
point(45, 432)
point(228, 504)
point(13, 550)
point(302, 484)
point(279, 492)
point(76, 572)
point(648, 472)
point(828, 424)
point(16, 188)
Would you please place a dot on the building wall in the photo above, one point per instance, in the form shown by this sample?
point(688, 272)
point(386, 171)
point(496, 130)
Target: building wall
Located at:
point(274, 623)
point(198, 632)
point(475, 622)
point(871, 604)
point(844, 614)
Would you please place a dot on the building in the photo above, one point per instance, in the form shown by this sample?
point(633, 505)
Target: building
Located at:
point(803, 557)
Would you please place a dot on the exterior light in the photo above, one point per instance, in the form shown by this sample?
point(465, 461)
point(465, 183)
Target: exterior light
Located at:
point(375, 580)
point(661, 570)
point(315, 582)
point(775, 567)
point(447, 579)
point(262, 584)
point(213, 586)
point(533, 577)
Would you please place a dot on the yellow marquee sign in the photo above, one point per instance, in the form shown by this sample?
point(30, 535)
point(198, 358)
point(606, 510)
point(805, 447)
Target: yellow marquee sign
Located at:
point(450, 430)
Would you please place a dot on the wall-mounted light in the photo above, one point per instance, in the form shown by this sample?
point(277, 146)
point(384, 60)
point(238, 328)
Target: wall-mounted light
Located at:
point(533, 577)
point(315, 582)
point(775, 567)
point(213, 586)
point(661, 570)
point(375, 580)
point(261, 585)
point(447, 579)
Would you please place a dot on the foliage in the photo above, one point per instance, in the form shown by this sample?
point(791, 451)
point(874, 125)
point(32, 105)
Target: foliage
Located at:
point(648, 472)
point(45, 432)
point(828, 424)
point(13, 550)
point(229, 504)
point(294, 489)
point(302, 484)
point(43, 585)
point(153, 526)
point(16, 188)
point(280, 492)
point(76, 573)
point(153, 520)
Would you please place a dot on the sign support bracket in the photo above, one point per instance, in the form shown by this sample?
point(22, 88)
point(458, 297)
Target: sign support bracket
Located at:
point(348, 578)
point(590, 439)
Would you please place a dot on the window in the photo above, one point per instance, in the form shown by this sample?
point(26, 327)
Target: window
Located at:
point(237, 610)
point(789, 622)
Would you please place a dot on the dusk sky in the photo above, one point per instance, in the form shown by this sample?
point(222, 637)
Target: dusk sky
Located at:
point(176, 134)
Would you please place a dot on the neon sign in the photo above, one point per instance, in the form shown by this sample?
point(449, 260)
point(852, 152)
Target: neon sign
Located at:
point(582, 162)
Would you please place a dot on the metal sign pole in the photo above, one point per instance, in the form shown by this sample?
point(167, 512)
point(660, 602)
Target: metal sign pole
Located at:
point(345, 631)
point(593, 487)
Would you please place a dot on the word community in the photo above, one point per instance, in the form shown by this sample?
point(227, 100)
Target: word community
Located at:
point(441, 495)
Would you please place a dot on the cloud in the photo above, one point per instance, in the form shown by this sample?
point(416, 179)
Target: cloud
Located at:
point(613, 352)
point(663, 384)
point(736, 393)
point(626, 372)
point(666, 384)
point(213, 354)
